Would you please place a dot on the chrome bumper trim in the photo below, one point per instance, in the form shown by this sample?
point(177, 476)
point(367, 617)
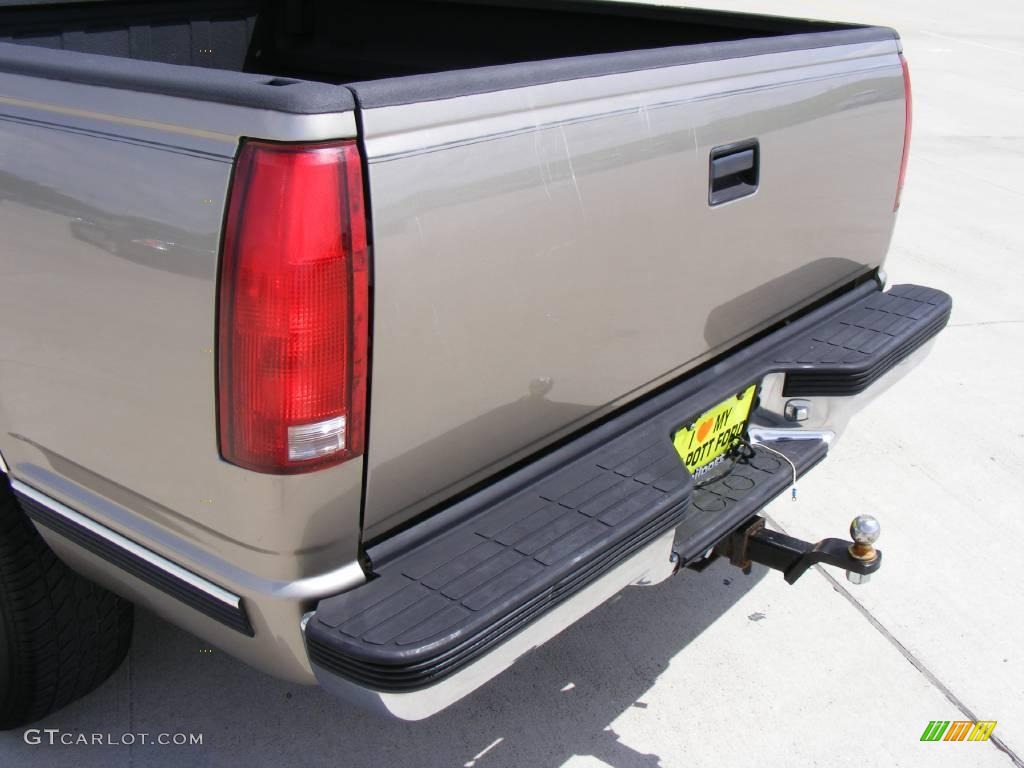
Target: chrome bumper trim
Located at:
point(134, 559)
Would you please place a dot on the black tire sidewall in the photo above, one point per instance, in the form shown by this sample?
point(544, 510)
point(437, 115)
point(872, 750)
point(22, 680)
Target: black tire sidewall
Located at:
point(61, 635)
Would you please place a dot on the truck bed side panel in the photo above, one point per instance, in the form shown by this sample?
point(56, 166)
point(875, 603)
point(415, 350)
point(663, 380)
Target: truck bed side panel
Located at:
point(111, 204)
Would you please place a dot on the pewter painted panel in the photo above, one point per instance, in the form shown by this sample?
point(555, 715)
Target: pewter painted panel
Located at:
point(530, 278)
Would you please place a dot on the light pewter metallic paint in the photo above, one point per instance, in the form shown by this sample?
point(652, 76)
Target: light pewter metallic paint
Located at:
point(542, 255)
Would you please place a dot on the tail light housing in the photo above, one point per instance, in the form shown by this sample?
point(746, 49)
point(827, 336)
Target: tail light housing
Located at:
point(907, 124)
point(293, 302)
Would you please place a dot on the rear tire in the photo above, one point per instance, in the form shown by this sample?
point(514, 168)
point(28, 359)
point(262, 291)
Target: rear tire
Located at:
point(60, 634)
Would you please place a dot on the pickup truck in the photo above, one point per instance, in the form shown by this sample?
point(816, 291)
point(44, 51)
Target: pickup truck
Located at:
point(375, 343)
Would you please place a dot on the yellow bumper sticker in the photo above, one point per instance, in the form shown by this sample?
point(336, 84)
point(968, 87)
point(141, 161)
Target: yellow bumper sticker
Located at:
point(705, 442)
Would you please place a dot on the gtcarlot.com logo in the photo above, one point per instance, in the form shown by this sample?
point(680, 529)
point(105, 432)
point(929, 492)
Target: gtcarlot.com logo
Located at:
point(55, 736)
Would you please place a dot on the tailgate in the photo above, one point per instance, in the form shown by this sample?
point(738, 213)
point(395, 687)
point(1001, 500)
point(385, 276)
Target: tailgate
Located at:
point(547, 252)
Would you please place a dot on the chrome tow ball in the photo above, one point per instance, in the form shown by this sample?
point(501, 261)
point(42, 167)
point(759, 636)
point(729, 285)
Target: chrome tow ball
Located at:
point(864, 530)
point(752, 543)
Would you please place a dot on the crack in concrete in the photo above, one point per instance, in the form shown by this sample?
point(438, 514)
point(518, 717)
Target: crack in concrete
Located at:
point(909, 655)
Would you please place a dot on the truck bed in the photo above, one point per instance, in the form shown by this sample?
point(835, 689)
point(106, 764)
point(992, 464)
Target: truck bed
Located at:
point(548, 241)
point(367, 40)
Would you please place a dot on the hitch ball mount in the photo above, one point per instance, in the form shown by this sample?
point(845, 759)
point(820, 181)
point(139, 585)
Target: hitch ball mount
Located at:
point(752, 543)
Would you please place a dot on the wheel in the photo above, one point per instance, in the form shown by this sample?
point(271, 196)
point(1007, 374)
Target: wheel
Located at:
point(60, 634)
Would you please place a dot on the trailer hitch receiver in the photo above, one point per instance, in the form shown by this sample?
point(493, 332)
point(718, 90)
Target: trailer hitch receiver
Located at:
point(752, 543)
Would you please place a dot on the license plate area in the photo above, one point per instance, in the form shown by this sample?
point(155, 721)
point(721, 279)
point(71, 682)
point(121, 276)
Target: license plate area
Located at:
point(706, 442)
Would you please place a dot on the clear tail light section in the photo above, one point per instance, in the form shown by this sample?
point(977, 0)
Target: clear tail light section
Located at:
point(293, 303)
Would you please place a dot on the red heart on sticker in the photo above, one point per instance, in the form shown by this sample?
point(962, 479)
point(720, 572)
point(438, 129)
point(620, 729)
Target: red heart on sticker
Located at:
point(704, 430)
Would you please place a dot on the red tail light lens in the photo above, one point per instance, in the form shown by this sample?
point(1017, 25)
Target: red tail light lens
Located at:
point(293, 305)
point(907, 124)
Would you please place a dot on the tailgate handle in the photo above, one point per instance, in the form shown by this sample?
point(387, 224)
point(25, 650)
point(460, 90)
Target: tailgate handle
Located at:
point(734, 171)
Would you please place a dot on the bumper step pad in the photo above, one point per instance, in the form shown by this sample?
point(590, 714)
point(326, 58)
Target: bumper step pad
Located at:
point(458, 583)
point(442, 604)
point(851, 352)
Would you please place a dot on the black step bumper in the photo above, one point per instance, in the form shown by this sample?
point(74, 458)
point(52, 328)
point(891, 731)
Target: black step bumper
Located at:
point(452, 589)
